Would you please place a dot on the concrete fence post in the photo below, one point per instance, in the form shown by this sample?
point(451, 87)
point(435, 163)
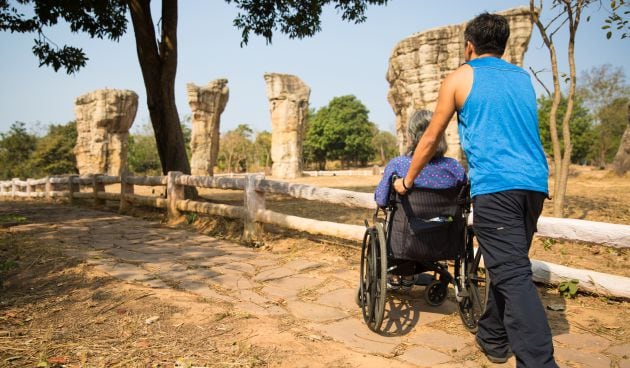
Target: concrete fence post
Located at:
point(72, 187)
point(125, 190)
point(98, 186)
point(14, 187)
point(254, 201)
point(174, 193)
point(48, 188)
point(29, 187)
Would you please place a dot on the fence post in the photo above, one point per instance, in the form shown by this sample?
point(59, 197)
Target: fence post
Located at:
point(48, 188)
point(98, 186)
point(125, 189)
point(174, 193)
point(72, 187)
point(14, 187)
point(254, 201)
point(29, 187)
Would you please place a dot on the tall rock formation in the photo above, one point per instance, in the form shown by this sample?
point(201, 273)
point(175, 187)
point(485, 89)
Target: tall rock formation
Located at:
point(621, 164)
point(103, 121)
point(207, 104)
point(419, 63)
point(288, 104)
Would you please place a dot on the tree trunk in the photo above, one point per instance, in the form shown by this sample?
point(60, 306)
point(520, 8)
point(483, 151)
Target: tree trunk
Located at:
point(558, 193)
point(158, 63)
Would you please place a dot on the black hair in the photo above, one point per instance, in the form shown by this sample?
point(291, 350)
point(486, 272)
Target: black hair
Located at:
point(488, 33)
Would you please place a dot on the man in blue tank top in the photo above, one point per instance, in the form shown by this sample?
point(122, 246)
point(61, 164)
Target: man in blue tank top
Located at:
point(498, 129)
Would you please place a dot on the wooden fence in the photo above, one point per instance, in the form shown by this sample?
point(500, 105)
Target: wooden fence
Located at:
point(254, 214)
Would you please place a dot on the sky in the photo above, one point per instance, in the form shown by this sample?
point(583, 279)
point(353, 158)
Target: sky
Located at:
point(342, 59)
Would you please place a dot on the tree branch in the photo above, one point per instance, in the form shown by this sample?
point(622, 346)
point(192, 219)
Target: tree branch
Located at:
point(535, 73)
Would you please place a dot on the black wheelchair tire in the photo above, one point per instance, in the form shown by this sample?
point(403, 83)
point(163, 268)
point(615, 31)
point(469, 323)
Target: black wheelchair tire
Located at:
point(476, 284)
point(373, 278)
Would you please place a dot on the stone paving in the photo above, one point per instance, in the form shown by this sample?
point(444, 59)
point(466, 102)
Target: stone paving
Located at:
point(316, 293)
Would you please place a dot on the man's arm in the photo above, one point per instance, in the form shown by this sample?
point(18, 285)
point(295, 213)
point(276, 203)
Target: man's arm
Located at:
point(428, 143)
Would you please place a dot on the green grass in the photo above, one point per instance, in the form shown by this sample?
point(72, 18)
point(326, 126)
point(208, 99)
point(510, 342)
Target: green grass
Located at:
point(11, 218)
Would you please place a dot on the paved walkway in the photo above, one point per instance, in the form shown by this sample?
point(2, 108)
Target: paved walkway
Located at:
point(316, 290)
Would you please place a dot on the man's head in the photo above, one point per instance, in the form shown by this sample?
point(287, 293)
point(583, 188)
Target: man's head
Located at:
point(486, 34)
point(418, 123)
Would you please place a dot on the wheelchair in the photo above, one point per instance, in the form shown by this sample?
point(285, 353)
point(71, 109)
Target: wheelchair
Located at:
point(420, 234)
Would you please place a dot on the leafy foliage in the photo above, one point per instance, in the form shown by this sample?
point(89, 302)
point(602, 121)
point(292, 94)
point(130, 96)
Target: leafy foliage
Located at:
point(568, 289)
point(235, 149)
point(54, 153)
point(143, 156)
point(297, 19)
point(385, 147)
point(99, 19)
point(582, 135)
point(16, 147)
point(612, 124)
point(340, 131)
point(605, 92)
point(262, 149)
point(617, 20)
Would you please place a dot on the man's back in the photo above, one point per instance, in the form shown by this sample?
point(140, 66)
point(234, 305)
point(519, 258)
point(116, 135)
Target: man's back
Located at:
point(498, 128)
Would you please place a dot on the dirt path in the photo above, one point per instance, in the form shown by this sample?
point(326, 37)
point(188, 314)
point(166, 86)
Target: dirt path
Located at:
point(89, 288)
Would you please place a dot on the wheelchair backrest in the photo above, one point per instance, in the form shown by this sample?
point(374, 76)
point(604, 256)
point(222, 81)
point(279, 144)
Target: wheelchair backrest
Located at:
point(427, 223)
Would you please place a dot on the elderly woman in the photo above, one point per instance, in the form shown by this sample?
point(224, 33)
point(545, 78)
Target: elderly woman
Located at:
point(440, 173)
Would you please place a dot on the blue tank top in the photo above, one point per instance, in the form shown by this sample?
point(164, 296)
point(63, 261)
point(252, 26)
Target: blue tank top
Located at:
point(498, 130)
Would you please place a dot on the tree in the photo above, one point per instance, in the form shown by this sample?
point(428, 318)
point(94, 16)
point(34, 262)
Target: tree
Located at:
point(54, 152)
point(143, 157)
point(610, 129)
point(582, 134)
point(235, 149)
point(569, 12)
point(16, 146)
point(605, 92)
point(262, 149)
point(157, 54)
point(385, 146)
point(341, 131)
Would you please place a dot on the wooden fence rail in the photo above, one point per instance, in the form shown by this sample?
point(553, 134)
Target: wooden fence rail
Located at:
point(254, 213)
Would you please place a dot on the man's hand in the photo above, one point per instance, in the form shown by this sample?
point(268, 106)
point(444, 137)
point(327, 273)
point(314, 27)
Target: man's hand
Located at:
point(398, 186)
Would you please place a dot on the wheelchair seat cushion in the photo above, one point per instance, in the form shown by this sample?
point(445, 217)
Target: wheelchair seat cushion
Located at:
point(427, 225)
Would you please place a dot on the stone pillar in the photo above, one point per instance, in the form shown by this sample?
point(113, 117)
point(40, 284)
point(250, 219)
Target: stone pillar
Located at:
point(288, 105)
point(621, 164)
point(419, 63)
point(207, 104)
point(103, 121)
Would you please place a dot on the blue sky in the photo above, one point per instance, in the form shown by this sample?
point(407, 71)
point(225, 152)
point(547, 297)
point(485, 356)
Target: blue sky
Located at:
point(342, 59)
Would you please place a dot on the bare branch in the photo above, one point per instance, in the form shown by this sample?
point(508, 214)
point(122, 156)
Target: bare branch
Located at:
point(535, 73)
point(559, 27)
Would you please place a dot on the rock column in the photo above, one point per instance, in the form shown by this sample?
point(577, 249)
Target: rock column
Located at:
point(419, 63)
point(207, 104)
point(288, 104)
point(103, 121)
point(621, 164)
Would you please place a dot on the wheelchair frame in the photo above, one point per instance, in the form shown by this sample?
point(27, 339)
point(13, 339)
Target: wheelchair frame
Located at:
point(471, 282)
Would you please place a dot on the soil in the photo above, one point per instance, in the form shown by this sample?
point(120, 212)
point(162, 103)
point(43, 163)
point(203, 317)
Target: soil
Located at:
point(56, 311)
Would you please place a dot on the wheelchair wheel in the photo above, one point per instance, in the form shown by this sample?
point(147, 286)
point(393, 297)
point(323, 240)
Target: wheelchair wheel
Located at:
point(476, 283)
point(373, 281)
point(435, 293)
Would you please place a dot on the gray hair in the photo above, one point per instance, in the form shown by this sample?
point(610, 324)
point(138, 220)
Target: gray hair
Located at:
point(417, 125)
